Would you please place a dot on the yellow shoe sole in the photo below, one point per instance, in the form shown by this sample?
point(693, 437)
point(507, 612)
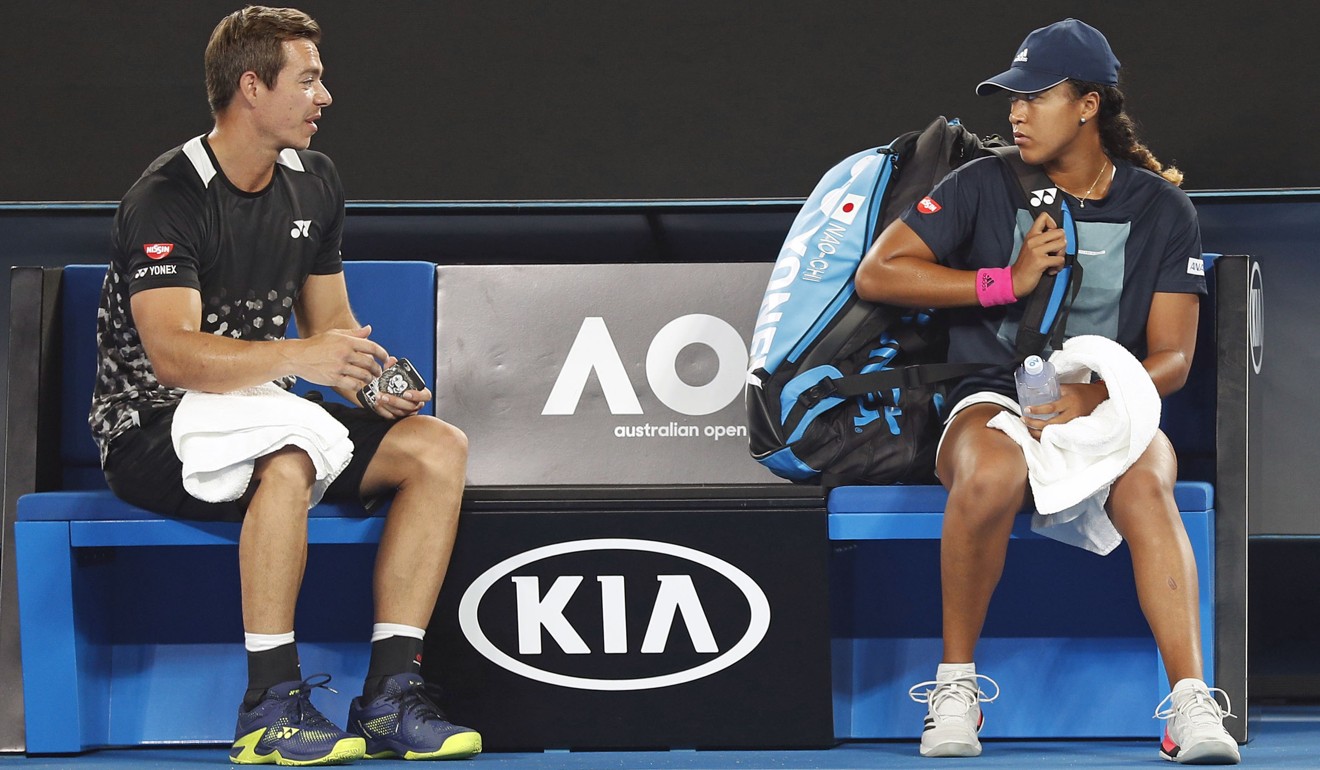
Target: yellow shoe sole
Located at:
point(346, 750)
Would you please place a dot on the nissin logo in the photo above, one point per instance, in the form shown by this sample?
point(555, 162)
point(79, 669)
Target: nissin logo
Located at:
point(655, 614)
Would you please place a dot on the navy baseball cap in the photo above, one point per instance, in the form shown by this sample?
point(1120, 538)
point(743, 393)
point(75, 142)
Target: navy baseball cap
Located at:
point(1065, 50)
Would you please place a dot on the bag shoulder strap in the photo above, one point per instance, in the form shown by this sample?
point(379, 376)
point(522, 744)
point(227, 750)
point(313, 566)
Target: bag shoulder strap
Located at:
point(1038, 190)
point(1045, 316)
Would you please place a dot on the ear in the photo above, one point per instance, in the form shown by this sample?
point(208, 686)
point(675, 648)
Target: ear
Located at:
point(249, 85)
point(1090, 106)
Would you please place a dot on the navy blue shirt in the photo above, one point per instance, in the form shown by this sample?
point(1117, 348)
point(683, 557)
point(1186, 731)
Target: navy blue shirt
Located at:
point(1141, 238)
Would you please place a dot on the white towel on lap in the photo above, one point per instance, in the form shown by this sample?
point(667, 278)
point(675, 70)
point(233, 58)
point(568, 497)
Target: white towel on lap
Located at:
point(219, 436)
point(1074, 464)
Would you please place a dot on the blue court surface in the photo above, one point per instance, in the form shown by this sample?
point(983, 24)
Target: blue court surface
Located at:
point(1281, 737)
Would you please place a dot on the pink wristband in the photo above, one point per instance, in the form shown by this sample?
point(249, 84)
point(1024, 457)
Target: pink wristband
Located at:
point(994, 286)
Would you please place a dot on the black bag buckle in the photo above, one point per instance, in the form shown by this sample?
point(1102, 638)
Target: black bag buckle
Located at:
point(817, 393)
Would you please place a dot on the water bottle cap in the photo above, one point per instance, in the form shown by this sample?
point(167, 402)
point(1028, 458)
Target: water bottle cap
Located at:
point(1033, 365)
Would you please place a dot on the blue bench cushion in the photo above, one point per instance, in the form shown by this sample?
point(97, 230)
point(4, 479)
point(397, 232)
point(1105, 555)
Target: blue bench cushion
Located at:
point(102, 505)
point(1190, 496)
point(917, 512)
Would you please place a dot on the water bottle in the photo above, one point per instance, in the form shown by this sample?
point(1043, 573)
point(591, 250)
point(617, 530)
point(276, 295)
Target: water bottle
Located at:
point(1037, 383)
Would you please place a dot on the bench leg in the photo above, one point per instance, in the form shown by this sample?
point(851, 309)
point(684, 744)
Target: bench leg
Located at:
point(63, 672)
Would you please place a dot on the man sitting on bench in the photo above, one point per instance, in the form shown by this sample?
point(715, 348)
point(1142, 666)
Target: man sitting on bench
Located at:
point(214, 246)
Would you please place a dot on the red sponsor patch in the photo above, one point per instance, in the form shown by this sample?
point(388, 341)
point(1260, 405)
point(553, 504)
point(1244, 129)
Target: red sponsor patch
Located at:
point(927, 205)
point(158, 250)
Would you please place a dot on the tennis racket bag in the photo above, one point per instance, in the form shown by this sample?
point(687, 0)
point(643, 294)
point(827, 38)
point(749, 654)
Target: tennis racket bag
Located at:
point(841, 390)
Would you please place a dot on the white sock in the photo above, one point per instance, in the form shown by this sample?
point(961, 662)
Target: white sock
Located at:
point(386, 630)
point(954, 670)
point(263, 642)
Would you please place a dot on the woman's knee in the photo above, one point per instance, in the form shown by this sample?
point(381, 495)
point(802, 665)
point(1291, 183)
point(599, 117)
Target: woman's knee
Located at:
point(1150, 478)
point(983, 469)
point(986, 491)
point(983, 463)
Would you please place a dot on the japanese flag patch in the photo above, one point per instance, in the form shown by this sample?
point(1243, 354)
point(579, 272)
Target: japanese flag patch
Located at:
point(847, 209)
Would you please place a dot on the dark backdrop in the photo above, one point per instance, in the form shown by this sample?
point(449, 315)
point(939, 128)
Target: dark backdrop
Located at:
point(599, 99)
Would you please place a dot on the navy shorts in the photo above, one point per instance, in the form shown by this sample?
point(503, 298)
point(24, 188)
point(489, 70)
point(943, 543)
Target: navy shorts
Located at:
point(143, 469)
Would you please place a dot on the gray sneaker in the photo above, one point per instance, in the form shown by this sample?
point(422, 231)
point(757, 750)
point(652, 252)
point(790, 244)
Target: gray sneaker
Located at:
point(1194, 733)
point(953, 713)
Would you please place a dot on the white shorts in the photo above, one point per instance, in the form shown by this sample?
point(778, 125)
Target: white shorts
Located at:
point(979, 397)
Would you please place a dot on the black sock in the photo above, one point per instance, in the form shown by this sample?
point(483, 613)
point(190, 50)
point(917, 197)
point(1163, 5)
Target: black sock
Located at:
point(392, 655)
point(269, 668)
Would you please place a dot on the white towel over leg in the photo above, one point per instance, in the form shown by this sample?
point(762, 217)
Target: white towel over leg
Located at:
point(219, 436)
point(1073, 465)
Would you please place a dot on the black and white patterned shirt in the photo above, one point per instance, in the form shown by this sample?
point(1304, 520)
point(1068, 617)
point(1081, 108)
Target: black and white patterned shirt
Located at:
point(184, 224)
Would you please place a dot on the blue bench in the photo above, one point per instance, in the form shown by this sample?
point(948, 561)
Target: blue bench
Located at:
point(102, 666)
point(108, 662)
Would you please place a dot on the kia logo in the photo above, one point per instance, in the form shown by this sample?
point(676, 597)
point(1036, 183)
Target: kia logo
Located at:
point(541, 612)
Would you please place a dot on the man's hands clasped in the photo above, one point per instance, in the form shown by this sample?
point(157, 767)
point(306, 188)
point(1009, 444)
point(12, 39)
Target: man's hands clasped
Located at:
point(346, 360)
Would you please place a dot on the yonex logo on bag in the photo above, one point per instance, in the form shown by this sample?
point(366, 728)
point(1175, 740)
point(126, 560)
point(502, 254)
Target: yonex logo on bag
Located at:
point(1021, 57)
point(1046, 196)
point(782, 277)
point(301, 228)
point(927, 205)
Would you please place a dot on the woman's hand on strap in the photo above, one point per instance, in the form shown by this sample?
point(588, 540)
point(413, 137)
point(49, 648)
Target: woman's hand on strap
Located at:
point(1042, 250)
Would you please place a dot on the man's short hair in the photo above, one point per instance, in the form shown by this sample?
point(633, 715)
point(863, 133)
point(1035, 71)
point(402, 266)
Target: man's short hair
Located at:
point(252, 39)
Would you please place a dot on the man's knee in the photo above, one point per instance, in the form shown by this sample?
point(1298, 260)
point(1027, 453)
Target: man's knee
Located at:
point(425, 446)
point(287, 471)
point(287, 465)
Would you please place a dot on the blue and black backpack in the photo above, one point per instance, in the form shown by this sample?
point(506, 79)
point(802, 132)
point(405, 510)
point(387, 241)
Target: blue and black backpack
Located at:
point(841, 390)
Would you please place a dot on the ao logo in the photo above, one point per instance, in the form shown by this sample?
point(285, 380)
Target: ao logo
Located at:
point(677, 596)
point(594, 349)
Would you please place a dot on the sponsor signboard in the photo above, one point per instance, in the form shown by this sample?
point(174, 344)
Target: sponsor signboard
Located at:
point(589, 374)
point(630, 629)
